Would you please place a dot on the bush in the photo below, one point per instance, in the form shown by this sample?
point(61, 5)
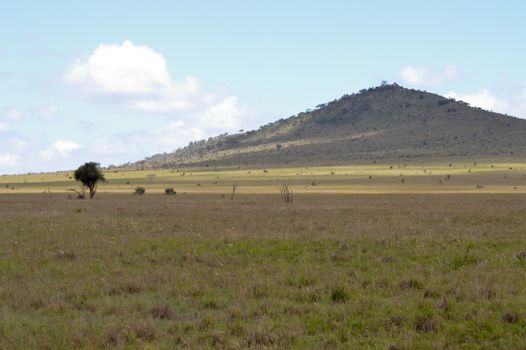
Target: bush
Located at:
point(170, 192)
point(464, 260)
point(510, 317)
point(425, 324)
point(339, 295)
point(139, 191)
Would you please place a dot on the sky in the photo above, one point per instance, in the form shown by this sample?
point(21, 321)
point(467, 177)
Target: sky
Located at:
point(117, 81)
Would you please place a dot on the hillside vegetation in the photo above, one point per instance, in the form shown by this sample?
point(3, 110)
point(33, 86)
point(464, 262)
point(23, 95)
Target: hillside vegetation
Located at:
point(388, 122)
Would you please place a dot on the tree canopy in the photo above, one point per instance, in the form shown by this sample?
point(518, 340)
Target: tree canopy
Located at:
point(89, 175)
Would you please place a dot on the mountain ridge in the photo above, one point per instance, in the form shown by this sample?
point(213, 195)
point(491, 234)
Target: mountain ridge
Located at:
point(381, 123)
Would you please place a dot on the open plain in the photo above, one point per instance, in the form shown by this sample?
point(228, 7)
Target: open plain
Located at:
point(430, 262)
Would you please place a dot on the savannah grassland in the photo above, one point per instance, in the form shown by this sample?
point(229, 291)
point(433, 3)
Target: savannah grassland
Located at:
point(367, 257)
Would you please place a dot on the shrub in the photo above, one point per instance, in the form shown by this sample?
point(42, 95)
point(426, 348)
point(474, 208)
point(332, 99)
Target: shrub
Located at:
point(139, 191)
point(510, 317)
point(339, 295)
point(464, 260)
point(170, 192)
point(163, 312)
point(425, 324)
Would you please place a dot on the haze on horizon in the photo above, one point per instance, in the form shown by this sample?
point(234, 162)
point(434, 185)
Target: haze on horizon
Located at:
point(114, 82)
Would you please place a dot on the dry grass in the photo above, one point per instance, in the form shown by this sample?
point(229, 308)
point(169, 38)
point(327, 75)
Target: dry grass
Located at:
point(399, 271)
point(445, 177)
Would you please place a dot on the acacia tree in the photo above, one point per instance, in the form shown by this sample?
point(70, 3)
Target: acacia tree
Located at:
point(89, 175)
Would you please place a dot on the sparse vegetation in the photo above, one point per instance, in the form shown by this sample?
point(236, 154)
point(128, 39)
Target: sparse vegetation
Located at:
point(412, 269)
point(170, 191)
point(139, 191)
point(339, 295)
point(234, 188)
point(287, 196)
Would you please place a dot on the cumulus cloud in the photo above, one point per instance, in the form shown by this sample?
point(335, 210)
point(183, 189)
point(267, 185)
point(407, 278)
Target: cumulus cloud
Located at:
point(137, 78)
point(65, 147)
point(174, 134)
point(483, 99)
point(422, 76)
point(519, 105)
point(121, 69)
point(225, 114)
point(125, 77)
point(62, 148)
point(22, 151)
point(14, 148)
point(513, 102)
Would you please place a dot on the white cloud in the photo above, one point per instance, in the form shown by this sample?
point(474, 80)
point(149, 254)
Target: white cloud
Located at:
point(421, 76)
point(135, 77)
point(62, 148)
point(483, 99)
point(225, 114)
point(8, 160)
point(174, 134)
point(121, 69)
point(186, 95)
point(513, 103)
point(140, 143)
point(3, 126)
point(132, 78)
point(519, 105)
point(65, 147)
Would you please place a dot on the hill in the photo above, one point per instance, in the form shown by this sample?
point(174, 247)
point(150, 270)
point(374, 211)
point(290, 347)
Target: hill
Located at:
point(384, 123)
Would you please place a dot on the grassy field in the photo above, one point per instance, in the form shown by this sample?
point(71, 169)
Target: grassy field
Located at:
point(353, 263)
point(396, 178)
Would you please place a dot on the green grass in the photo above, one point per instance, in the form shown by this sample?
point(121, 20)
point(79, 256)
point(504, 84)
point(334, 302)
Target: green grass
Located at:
point(361, 271)
point(268, 293)
point(351, 264)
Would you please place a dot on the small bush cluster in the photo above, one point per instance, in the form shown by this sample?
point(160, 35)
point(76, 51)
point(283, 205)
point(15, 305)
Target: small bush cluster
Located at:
point(170, 192)
point(339, 295)
point(139, 191)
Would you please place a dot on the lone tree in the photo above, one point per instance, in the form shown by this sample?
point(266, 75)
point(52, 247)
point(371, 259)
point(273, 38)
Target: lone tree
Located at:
point(89, 175)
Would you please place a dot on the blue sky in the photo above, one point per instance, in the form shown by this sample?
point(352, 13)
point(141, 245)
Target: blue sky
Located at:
point(115, 81)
